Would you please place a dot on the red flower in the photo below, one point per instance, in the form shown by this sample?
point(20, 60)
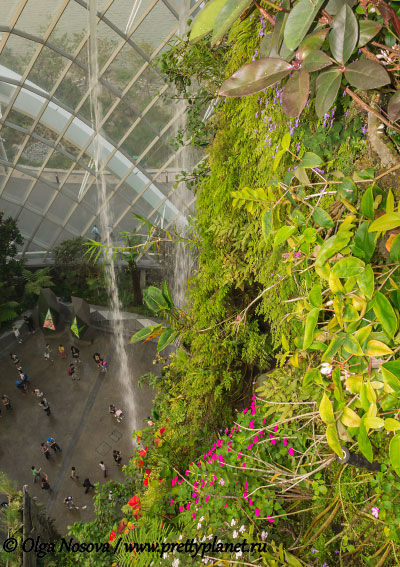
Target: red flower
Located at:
point(162, 430)
point(134, 502)
point(147, 471)
point(143, 452)
point(157, 441)
point(121, 526)
point(113, 535)
point(146, 482)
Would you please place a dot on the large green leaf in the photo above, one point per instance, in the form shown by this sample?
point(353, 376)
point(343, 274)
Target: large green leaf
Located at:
point(392, 424)
point(365, 74)
point(347, 189)
point(352, 346)
point(394, 453)
point(332, 246)
point(391, 374)
point(377, 348)
point(333, 440)
point(315, 295)
point(315, 61)
point(167, 295)
point(299, 22)
point(348, 267)
point(393, 108)
point(295, 93)
point(332, 349)
point(367, 203)
point(364, 443)
point(205, 20)
point(311, 323)
point(364, 242)
point(395, 249)
point(326, 410)
point(366, 282)
point(385, 223)
point(322, 218)
point(155, 299)
point(327, 86)
point(368, 30)
point(283, 234)
point(227, 16)
point(167, 337)
point(255, 77)
point(267, 224)
point(344, 34)
point(350, 418)
point(311, 160)
point(146, 333)
point(385, 314)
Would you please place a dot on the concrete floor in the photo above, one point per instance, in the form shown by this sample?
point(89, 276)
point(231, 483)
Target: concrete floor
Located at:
point(79, 421)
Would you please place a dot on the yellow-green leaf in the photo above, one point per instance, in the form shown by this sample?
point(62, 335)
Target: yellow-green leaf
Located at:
point(326, 410)
point(310, 325)
point(350, 418)
point(394, 453)
point(333, 440)
point(377, 348)
point(374, 422)
point(205, 20)
point(392, 424)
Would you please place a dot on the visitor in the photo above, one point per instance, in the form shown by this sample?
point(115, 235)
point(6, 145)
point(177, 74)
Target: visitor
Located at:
point(29, 322)
point(103, 365)
point(51, 443)
point(87, 485)
point(62, 352)
point(14, 358)
point(73, 474)
point(103, 468)
point(75, 353)
point(119, 414)
point(45, 484)
point(71, 371)
point(23, 386)
point(97, 358)
point(57, 179)
point(47, 353)
point(37, 393)
point(45, 406)
point(23, 376)
point(96, 233)
point(117, 457)
point(45, 450)
point(112, 409)
point(35, 472)
point(17, 334)
point(6, 402)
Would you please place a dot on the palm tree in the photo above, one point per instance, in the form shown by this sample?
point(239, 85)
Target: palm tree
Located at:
point(37, 280)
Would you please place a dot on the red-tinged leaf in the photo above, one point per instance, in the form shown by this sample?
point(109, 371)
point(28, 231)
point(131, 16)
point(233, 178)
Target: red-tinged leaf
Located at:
point(389, 15)
point(255, 76)
point(344, 35)
point(327, 86)
point(368, 30)
point(299, 21)
point(295, 93)
point(315, 61)
point(365, 74)
point(393, 108)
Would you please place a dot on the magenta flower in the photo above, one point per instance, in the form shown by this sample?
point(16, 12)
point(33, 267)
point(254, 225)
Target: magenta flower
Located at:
point(270, 520)
point(291, 452)
point(285, 442)
point(276, 428)
point(171, 502)
point(264, 421)
point(246, 484)
point(181, 508)
point(251, 424)
point(188, 506)
point(243, 465)
point(257, 511)
point(207, 498)
point(193, 515)
point(250, 502)
point(375, 512)
point(249, 446)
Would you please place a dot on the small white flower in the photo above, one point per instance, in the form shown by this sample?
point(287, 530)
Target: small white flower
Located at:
point(181, 536)
point(242, 529)
point(201, 519)
point(264, 535)
point(175, 562)
point(165, 555)
point(326, 368)
point(210, 536)
point(235, 534)
point(233, 522)
point(221, 481)
point(239, 554)
point(328, 303)
point(199, 525)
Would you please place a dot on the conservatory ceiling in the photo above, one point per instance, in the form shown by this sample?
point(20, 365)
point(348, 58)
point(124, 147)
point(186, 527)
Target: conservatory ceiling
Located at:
point(47, 170)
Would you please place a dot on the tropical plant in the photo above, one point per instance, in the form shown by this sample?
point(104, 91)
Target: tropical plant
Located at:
point(10, 239)
point(37, 280)
point(7, 308)
point(130, 255)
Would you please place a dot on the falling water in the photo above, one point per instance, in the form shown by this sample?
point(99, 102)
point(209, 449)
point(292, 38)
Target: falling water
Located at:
point(120, 360)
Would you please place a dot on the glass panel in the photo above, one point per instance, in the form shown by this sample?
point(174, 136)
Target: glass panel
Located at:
point(124, 67)
point(47, 68)
point(161, 113)
point(117, 208)
point(155, 28)
point(144, 89)
point(60, 208)
point(12, 140)
point(17, 53)
point(161, 151)
point(79, 219)
point(10, 209)
point(28, 221)
point(117, 124)
point(40, 197)
point(107, 41)
point(17, 187)
point(138, 140)
point(7, 9)
point(35, 20)
point(60, 162)
point(119, 13)
point(72, 87)
point(70, 28)
point(46, 232)
point(20, 119)
point(35, 152)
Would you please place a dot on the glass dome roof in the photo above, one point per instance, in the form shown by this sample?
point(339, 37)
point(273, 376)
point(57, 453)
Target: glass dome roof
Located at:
point(47, 170)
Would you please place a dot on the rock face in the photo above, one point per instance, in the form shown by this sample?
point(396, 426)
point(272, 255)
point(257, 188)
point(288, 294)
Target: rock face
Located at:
point(36, 524)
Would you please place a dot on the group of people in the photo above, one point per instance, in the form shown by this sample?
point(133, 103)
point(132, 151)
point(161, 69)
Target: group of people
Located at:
point(50, 444)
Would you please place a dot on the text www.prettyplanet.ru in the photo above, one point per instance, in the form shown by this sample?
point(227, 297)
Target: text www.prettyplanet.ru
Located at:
point(190, 547)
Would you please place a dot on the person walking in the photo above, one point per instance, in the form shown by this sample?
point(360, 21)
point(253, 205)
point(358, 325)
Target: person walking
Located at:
point(45, 450)
point(62, 352)
point(35, 472)
point(112, 409)
point(45, 406)
point(73, 474)
point(57, 179)
point(47, 354)
point(38, 393)
point(103, 468)
point(71, 371)
point(97, 358)
point(103, 365)
point(17, 334)
point(23, 386)
point(119, 415)
point(69, 502)
point(53, 445)
point(75, 353)
point(87, 485)
point(23, 376)
point(6, 402)
point(45, 483)
point(29, 322)
point(117, 457)
point(14, 358)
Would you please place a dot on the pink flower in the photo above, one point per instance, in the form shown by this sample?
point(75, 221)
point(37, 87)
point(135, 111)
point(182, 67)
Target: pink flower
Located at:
point(193, 515)
point(375, 512)
point(243, 465)
point(249, 446)
point(244, 411)
point(181, 508)
point(187, 472)
point(226, 431)
point(251, 424)
point(271, 520)
point(226, 505)
point(291, 452)
point(245, 495)
point(285, 442)
point(246, 484)
point(257, 511)
point(221, 459)
point(273, 441)
point(207, 498)
point(264, 421)
point(174, 480)
point(255, 439)
point(240, 455)
point(171, 502)
point(250, 502)
point(276, 428)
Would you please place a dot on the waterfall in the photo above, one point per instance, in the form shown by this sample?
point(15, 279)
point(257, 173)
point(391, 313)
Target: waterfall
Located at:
point(119, 366)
